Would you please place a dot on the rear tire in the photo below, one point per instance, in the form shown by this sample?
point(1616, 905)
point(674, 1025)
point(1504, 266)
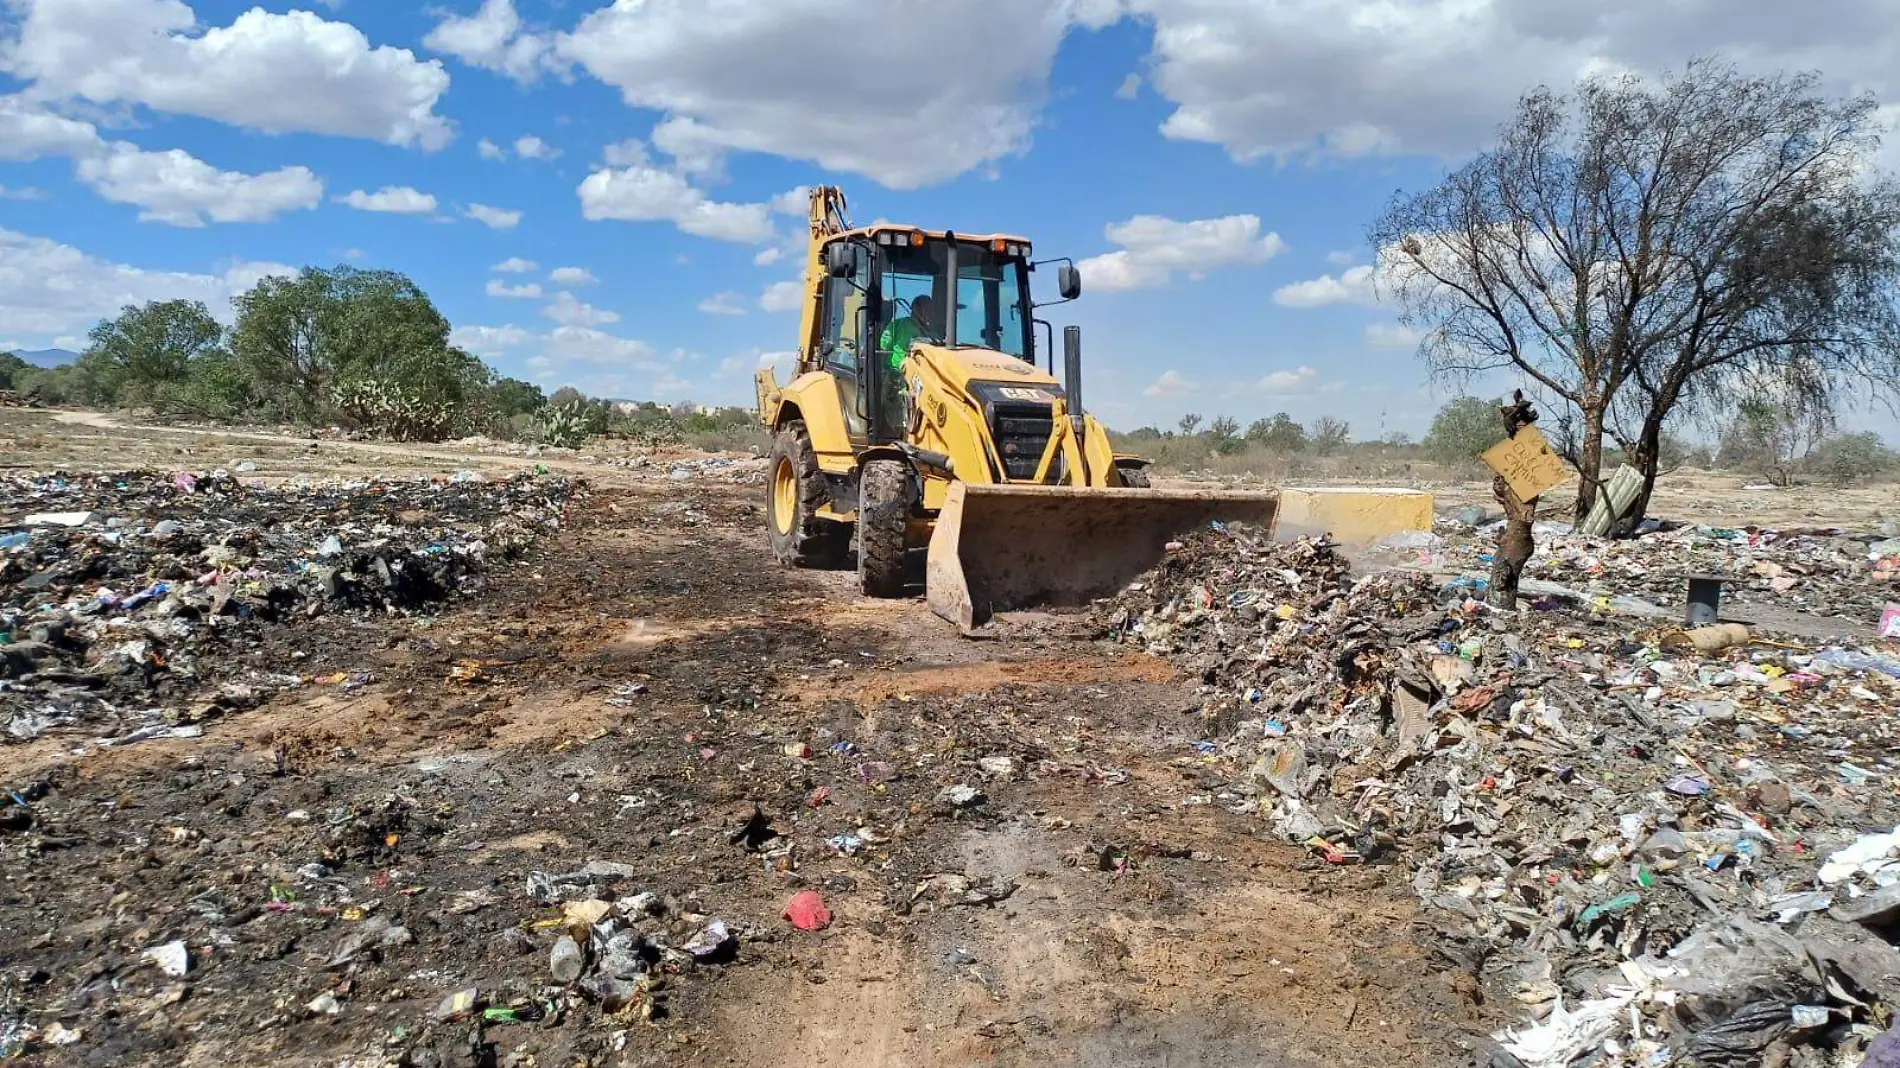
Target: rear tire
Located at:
point(883, 516)
point(1134, 477)
point(794, 491)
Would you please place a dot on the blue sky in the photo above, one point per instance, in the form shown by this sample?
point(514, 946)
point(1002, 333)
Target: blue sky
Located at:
point(1212, 163)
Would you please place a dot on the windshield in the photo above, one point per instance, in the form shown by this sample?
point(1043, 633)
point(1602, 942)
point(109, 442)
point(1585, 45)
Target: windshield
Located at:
point(992, 301)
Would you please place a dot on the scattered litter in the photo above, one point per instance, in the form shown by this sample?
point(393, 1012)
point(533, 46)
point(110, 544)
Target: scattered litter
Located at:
point(1567, 785)
point(184, 605)
point(807, 911)
point(172, 958)
point(709, 941)
point(961, 796)
point(566, 961)
point(457, 1004)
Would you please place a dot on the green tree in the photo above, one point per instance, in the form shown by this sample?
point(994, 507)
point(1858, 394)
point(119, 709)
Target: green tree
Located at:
point(1223, 435)
point(216, 387)
point(51, 385)
point(1329, 435)
point(1278, 433)
point(1189, 424)
point(1766, 438)
point(1852, 458)
point(298, 336)
point(10, 366)
point(425, 393)
point(511, 397)
point(1463, 428)
point(132, 358)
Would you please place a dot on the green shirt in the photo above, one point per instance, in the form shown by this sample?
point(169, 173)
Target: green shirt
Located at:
point(896, 339)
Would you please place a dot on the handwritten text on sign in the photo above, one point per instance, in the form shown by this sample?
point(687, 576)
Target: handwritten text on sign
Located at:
point(1527, 464)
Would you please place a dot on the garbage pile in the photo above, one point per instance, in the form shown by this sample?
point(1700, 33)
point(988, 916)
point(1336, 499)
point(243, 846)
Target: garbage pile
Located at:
point(727, 470)
point(1823, 572)
point(617, 953)
point(1666, 856)
point(130, 601)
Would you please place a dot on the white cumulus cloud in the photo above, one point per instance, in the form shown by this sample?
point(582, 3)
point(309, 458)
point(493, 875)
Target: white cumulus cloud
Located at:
point(488, 341)
point(1348, 78)
point(568, 310)
point(177, 188)
point(1170, 384)
point(596, 362)
point(493, 218)
point(727, 303)
point(696, 149)
point(395, 199)
point(515, 265)
point(1355, 285)
point(572, 276)
point(168, 186)
point(528, 146)
point(643, 193)
point(1154, 248)
point(631, 152)
point(526, 291)
point(1392, 336)
point(946, 89)
point(28, 131)
point(782, 297)
point(278, 73)
point(583, 344)
point(49, 289)
point(1298, 380)
point(494, 38)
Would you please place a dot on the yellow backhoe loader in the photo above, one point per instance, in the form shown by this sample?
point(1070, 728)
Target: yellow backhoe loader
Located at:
point(918, 418)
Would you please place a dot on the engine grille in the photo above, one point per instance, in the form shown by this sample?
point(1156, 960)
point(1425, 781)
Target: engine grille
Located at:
point(1022, 432)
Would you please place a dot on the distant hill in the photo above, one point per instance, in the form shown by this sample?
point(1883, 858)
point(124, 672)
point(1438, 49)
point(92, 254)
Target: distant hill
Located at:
point(48, 357)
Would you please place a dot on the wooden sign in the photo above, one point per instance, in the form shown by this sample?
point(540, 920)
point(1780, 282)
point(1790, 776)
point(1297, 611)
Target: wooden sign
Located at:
point(1527, 464)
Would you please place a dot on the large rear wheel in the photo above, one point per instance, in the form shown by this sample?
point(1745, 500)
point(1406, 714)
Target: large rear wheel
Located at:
point(883, 516)
point(795, 490)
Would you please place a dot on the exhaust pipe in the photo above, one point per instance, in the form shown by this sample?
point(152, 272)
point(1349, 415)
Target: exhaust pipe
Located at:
point(948, 318)
point(1072, 373)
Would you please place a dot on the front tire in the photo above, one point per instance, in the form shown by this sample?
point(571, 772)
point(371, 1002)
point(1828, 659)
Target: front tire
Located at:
point(795, 490)
point(1133, 477)
point(883, 519)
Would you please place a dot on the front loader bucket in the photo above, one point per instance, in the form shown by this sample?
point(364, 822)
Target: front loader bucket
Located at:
point(1002, 547)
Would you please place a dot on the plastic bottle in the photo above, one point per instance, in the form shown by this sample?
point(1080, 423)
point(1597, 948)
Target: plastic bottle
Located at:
point(564, 964)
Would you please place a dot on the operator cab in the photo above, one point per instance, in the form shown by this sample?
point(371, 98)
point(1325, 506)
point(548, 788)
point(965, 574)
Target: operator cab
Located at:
point(871, 302)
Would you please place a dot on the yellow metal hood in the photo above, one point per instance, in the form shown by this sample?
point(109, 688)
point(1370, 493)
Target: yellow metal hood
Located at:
point(959, 367)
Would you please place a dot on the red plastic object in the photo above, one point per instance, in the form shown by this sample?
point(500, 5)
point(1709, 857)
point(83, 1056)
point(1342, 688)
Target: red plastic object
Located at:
point(807, 911)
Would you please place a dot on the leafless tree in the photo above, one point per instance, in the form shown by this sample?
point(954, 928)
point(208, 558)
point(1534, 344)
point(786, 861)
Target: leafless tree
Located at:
point(1639, 251)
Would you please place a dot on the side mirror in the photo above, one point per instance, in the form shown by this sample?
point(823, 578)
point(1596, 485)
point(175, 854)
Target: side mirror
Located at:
point(1068, 281)
point(840, 261)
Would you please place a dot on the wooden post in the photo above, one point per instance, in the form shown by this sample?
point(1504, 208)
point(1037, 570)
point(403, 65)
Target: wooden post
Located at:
point(1514, 541)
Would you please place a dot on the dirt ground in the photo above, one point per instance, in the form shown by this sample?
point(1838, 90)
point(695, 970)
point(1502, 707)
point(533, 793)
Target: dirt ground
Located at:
point(639, 687)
